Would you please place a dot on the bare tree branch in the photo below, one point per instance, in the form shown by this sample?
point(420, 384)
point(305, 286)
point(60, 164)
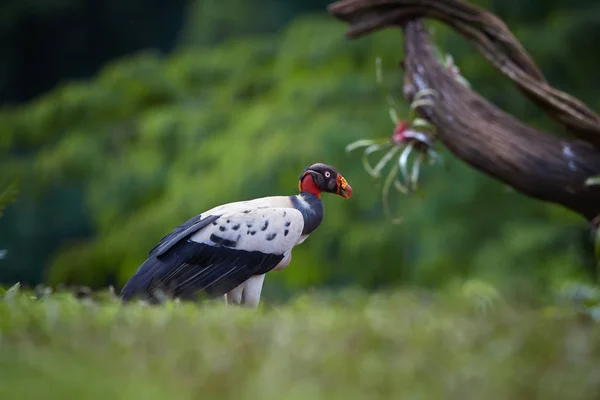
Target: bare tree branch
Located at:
point(540, 165)
point(491, 37)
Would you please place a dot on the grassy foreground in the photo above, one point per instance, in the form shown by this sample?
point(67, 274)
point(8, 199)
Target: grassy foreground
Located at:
point(351, 346)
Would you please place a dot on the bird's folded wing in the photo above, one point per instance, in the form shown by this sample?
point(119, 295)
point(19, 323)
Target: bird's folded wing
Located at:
point(218, 255)
point(184, 230)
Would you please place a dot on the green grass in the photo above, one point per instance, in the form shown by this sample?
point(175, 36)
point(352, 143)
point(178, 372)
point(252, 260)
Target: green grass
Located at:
point(401, 345)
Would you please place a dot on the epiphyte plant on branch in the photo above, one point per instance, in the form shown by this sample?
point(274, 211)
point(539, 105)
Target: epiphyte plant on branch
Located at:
point(501, 147)
point(448, 63)
point(413, 135)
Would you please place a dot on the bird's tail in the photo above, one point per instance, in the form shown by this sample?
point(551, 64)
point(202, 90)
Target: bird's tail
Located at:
point(145, 282)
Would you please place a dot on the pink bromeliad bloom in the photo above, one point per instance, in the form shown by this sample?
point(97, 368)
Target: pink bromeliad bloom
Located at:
point(399, 132)
point(402, 135)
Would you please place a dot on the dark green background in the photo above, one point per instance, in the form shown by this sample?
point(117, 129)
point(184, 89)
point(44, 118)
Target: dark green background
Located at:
point(123, 119)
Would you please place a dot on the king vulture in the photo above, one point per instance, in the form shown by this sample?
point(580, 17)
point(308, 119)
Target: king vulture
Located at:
point(227, 250)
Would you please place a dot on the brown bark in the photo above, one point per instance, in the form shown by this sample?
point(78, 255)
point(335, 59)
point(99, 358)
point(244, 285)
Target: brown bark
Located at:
point(537, 164)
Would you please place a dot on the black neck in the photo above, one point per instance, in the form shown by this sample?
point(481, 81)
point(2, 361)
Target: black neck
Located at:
point(311, 208)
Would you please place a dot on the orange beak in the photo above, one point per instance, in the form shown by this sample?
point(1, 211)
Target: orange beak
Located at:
point(343, 189)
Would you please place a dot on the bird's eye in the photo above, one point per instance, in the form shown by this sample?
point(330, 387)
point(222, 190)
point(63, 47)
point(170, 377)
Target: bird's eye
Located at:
point(327, 174)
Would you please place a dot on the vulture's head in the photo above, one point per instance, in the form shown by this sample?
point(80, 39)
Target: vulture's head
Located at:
point(320, 178)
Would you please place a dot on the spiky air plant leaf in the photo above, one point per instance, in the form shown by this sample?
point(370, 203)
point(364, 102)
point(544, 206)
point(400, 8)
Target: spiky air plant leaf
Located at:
point(412, 136)
point(391, 177)
point(371, 147)
point(423, 125)
point(593, 180)
point(402, 160)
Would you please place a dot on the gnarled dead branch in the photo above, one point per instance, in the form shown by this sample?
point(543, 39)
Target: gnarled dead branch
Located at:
point(540, 165)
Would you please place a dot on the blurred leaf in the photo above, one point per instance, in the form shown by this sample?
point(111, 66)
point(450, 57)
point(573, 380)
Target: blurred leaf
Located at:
point(597, 244)
point(594, 180)
point(8, 194)
point(338, 344)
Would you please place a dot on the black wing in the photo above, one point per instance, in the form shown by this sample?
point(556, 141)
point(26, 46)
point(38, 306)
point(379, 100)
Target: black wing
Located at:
point(184, 230)
point(180, 267)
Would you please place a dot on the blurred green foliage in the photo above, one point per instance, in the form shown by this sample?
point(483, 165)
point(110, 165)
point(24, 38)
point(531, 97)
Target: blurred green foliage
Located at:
point(341, 345)
point(8, 193)
point(111, 164)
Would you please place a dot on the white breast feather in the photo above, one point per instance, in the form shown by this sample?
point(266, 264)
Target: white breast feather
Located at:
point(252, 223)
